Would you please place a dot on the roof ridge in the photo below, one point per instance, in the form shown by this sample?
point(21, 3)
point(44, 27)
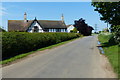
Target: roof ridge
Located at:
point(37, 20)
point(19, 20)
point(49, 20)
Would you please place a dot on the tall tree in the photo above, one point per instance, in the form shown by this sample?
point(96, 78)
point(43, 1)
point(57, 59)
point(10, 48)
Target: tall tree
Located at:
point(82, 27)
point(110, 11)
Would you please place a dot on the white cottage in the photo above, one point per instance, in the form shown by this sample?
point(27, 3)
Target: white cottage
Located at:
point(37, 25)
point(69, 28)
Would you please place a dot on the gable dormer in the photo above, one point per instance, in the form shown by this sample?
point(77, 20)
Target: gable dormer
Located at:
point(35, 26)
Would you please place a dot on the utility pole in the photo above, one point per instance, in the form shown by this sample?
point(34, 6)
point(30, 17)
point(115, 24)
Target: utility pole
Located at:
point(96, 28)
point(107, 26)
point(3, 27)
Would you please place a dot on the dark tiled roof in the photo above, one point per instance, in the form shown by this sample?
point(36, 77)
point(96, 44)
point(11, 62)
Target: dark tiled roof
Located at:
point(20, 25)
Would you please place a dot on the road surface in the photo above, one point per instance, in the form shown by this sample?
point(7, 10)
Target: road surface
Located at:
point(77, 59)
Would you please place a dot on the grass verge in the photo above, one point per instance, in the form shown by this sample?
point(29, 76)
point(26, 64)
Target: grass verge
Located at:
point(111, 51)
point(26, 54)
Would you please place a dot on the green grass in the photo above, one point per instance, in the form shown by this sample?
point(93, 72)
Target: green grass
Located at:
point(26, 54)
point(111, 51)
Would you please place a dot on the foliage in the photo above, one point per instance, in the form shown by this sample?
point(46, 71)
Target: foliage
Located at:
point(117, 33)
point(74, 30)
point(105, 30)
point(2, 30)
point(82, 27)
point(7, 61)
point(15, 43)
point(110, 11)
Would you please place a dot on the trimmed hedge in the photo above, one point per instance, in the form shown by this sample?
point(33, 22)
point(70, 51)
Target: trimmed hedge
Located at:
point(15, 43)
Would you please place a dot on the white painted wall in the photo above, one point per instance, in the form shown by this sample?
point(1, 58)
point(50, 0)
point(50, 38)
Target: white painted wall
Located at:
point(71, 27)
point(55, 30)
point(31, 28)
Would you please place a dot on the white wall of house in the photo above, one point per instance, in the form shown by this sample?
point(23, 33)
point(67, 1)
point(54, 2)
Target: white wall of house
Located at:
point(55, 30)
point(71, 27)
point(32, 27)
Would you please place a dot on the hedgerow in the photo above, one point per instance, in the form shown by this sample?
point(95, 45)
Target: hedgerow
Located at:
point(15, 43)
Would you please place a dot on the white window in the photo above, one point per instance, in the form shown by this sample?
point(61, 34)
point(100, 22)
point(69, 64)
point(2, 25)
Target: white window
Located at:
point(54, 30)
point(61, 30)
point(50, 30)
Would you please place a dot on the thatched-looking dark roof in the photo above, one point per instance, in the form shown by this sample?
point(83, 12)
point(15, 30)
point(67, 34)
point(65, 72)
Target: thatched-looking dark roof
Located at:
point(52, 24)
point(20, 25)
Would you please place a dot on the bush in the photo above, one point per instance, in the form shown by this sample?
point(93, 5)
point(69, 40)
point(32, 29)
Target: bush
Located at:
point(112, 39)
point(74, 30)
point(14, 43)
point(117, 33)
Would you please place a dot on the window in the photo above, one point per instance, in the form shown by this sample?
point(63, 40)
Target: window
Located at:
point(36, 29)
point(57, 30)
point(50, 30)
point(46, 30)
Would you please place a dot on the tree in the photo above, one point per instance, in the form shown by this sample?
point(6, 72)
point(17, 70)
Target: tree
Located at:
point(2, 30)
point(105, 30)
point(74, 30)
point(82, 27)
point(117, 33)
point(110, 12)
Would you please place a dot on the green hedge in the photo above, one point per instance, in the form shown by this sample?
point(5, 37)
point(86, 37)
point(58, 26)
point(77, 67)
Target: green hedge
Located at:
point(14, 43)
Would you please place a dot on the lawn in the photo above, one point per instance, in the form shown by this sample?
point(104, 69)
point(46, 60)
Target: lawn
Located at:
point(111, 51)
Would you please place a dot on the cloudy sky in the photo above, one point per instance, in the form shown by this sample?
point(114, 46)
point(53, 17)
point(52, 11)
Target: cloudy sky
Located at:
point(51, 11)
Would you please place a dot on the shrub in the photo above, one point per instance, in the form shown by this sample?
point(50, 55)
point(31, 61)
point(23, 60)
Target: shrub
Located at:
point(112, 39)
point(117, 33)
point(14, 43)
point(74, 30)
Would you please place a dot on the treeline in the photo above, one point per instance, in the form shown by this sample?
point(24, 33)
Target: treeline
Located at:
point(15, 43)
point(82, 27)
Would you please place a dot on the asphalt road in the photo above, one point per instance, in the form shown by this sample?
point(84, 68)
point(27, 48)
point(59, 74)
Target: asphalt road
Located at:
point(77, 59)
